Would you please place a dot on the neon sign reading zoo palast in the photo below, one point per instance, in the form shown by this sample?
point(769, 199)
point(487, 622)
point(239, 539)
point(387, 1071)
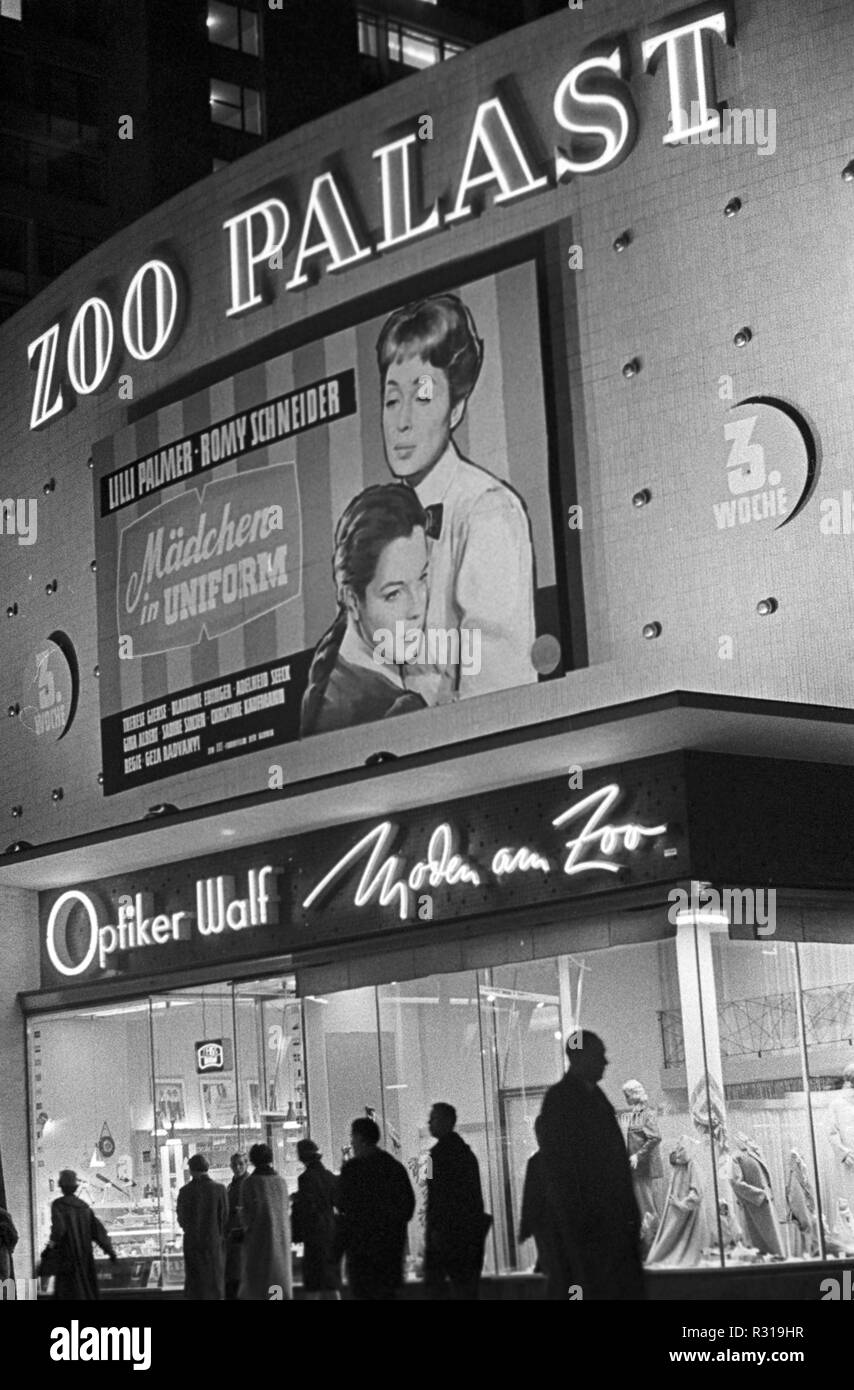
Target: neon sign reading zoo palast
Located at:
point(385, 880)
point(592, 105)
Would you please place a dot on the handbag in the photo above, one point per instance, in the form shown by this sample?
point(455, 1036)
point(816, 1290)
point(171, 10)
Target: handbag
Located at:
point(50, 1262)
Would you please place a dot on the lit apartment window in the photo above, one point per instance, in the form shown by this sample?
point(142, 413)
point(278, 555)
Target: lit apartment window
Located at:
point(387, 41)
point(369, 38)
point(238, 107)
point(232, 26)
point(412, 49)
point(10, 9)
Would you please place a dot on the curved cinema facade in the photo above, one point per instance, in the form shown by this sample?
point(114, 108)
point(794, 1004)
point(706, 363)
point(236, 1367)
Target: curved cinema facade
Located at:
point(426, 563)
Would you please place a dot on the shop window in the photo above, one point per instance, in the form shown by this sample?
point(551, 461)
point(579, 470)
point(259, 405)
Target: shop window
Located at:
point(123, 1095)
point(237, 107)
point(343, 1059)
point(430, 1050)
point(827, 978)
point(227, 1100)
point(90, 1079)
point(740, 1053)
point(233, 26)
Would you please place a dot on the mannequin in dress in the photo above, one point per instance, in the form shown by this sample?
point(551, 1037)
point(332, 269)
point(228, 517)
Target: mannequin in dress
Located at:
point(643, 1138)
point(751, 1183)
point(683, 1232)
point(800, 1204)
point(840, 1133)
point(845, 1224)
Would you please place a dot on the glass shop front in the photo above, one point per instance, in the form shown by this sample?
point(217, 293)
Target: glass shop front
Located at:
point(731, 1068)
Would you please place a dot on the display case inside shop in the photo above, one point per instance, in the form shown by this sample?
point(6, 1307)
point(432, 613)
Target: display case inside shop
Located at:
point(125, 1094)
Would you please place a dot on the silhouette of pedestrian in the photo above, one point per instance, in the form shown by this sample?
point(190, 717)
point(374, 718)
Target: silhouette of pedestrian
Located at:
point(8, 1241)
point(375, 1202)
point(456, 1223)
point(313, 1225)
point(234, 1227)
point(535, 1224)
point(267, 1225)
point(74, 1228)
point(202, 1211)
point(593, 1215)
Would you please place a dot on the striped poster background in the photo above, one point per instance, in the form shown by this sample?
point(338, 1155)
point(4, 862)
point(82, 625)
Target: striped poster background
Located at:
point(503, 430)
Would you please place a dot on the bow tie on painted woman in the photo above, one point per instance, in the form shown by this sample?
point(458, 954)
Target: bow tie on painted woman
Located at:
point(434, 520)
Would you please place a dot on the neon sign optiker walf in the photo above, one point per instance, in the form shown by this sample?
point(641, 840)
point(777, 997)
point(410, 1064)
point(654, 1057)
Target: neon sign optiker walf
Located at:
point(137, 926)
point(592, 105)
point(385, 880)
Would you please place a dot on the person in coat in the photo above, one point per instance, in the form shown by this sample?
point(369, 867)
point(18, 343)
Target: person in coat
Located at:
point(74, 1228)
point(456, 1223)
point(588, 1181)
point(267, 1270)
point(313, 1225)
point(202, 1211)
point(8, 1241)
point(375, 1203)
point(535, 1224)
point(234, 1226)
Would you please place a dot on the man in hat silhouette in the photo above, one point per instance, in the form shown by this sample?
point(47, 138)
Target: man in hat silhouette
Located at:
point(313, 1224)
point(74, 1228)
point(202, 1211)
point(594, 1217)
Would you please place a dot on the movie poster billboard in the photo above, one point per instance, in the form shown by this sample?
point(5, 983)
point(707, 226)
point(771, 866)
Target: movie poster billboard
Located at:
point(351, 531)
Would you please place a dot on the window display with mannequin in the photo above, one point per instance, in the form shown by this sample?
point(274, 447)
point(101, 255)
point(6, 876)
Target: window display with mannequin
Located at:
point(840, 1132)
point(751, 1183)
point(684, 1233)
point(643, 1140)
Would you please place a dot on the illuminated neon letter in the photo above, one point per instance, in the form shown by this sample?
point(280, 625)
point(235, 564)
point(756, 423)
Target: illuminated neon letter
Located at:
point(244, 256)
point(326, 205)
point(396, 180)
point(59, 914)
point(689, 64)
point(608, 836)
point(493, 136)
point(46, 347)
point(165, 310)
point(104, 336)
point(379, 879)
point(618, 135)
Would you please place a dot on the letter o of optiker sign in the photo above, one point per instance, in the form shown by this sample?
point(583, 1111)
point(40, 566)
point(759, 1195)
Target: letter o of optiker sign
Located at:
point(163, 294)
point(59, 915)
